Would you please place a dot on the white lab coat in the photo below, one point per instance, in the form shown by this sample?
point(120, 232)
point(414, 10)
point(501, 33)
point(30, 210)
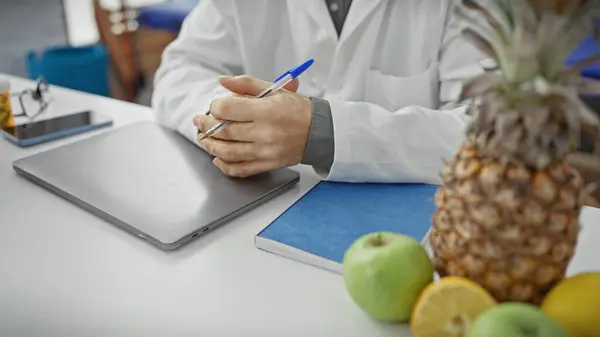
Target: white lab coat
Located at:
point(388, 77)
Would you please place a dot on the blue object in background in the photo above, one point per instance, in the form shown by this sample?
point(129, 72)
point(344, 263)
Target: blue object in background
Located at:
point(587, 48)
point(331, 216)
point(167, 16)
point(80, 68)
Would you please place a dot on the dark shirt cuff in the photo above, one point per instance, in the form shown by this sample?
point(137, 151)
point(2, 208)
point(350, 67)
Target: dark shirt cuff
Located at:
point(321, 143)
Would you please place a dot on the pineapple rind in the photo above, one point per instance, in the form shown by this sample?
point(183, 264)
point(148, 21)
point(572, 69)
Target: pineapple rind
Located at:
point(510, 228)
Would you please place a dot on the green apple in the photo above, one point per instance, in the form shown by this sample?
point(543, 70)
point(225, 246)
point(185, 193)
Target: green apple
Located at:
point(384, 274)
point(515, 320)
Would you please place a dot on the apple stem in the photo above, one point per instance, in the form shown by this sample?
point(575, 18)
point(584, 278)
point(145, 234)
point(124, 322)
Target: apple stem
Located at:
point(378, 240)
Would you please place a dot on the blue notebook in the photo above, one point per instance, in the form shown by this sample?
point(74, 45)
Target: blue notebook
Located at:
point(322, 224)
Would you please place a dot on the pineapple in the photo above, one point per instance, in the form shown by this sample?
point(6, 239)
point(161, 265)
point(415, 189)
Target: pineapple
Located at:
point(507, 213)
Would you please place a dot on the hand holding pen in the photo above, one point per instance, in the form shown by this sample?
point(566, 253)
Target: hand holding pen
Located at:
point(279, 83)
point(261, 134)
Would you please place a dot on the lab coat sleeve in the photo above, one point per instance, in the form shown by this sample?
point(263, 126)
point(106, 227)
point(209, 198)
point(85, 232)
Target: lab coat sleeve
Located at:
point(186, 81)
point(373, 144)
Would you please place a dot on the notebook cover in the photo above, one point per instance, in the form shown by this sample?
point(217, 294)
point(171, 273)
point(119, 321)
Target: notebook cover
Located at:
point(331, 216)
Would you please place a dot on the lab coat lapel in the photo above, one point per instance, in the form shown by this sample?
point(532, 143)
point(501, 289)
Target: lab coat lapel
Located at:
point(360, 10)
point(317, 11)
point(314, 36)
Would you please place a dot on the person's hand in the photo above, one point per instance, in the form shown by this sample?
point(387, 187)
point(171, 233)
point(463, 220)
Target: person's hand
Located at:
point(263, 134)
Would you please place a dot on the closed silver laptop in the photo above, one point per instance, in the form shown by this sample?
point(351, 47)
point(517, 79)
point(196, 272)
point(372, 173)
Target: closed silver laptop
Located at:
point(151, 182)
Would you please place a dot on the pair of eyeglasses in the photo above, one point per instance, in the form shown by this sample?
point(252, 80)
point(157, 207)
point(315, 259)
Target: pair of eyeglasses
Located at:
point(34, 101)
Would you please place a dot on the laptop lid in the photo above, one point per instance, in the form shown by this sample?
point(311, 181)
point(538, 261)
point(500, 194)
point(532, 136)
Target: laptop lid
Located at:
point(151, 182)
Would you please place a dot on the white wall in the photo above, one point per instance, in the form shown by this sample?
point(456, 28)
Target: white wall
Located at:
point(28, 25)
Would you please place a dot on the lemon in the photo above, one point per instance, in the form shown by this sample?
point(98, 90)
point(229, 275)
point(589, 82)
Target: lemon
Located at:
point(446, 308)
point(575, 304)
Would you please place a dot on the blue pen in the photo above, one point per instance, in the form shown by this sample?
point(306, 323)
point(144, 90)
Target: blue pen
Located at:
point(279, 83)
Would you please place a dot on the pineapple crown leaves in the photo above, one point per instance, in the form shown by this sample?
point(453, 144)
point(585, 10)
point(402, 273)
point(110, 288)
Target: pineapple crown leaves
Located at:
point(530, 41)
point(531, 38)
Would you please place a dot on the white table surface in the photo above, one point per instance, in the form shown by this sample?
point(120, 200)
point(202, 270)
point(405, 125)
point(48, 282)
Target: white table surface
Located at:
point(65, 272)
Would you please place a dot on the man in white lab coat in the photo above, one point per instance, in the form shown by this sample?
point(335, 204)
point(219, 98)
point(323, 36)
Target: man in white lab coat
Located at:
point(374, 107)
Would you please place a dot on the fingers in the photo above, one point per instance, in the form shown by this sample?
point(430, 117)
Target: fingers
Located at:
point(293, 85)
point(238, 108)
point(243, 85)
point(232, 151)
point(242, 106)
point(248, 85)
point(238, 131)
point(243, 169)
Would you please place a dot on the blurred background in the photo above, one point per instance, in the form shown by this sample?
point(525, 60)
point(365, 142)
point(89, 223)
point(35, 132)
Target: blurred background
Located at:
point(105, 47)
point(112, 47)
